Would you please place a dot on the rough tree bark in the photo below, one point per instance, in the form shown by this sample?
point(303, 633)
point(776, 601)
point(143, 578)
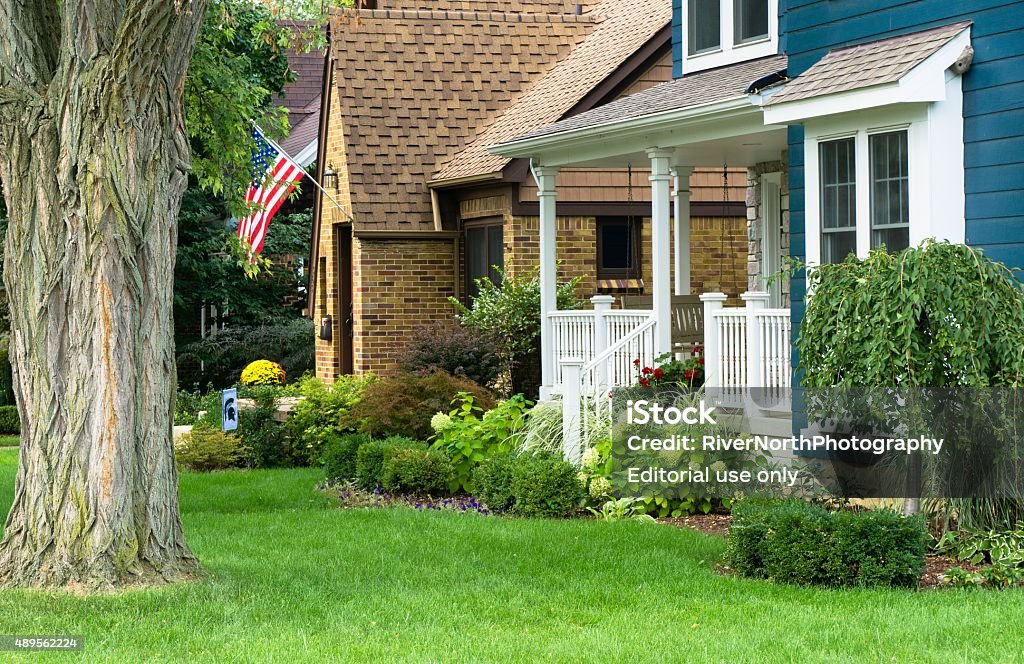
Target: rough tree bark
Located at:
point(93, 161)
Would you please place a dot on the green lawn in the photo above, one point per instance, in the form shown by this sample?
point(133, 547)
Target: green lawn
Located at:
point(290, 579)
point(9, 441)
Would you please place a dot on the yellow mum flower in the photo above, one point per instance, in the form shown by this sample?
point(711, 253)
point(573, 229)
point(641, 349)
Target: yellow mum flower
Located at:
point(263, 372)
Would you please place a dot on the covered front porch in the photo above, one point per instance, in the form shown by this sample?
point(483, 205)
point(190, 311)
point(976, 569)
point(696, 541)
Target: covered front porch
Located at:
point(671, 128)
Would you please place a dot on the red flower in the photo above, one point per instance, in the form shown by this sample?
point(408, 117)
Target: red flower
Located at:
point(636, 362)
point(647, 371)
point(700, 360)
point(645, 382)
point(690, 374)
point(659, 373)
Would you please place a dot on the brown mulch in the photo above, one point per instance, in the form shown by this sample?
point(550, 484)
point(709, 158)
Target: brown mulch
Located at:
point(709, 524)
point(935, 566)
point(718, 525)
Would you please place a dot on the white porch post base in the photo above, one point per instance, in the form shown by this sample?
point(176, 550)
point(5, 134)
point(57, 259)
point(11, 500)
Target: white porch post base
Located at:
point(712, 352)
point(572, 369)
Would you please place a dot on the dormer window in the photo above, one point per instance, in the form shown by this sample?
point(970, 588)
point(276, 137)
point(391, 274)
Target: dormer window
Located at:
point(750, 19)
point(724, 32)
point(705, 26)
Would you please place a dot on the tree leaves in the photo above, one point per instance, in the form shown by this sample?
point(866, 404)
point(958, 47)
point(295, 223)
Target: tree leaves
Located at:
point(937, 315)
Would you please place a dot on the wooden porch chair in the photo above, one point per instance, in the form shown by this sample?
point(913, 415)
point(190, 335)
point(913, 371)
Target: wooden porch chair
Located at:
point(687, 318)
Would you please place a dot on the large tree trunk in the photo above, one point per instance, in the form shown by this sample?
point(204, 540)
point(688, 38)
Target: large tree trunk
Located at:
point(93, 160)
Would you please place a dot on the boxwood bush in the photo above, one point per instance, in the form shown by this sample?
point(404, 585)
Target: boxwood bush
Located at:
point(801, 543)
point(370, 458)
point(545, 485)
point(339, 454)
point(417, 471)
point(493, 480)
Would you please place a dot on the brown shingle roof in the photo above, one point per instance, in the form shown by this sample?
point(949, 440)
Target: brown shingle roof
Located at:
point(698, 89)
point(415, 86)
point(302, 96)
point(630, 24)
point(866, 65)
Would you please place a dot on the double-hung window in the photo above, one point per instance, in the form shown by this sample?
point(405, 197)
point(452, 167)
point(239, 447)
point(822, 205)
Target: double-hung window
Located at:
point(724, 32)
point(838, 163)
point(890, 190)
point(485, 254)
point(843, 189)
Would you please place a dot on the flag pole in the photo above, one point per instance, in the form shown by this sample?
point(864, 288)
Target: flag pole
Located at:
point(301, 168)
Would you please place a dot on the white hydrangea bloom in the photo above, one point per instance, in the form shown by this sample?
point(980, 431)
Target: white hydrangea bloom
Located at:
point(591, 457)
point(440, 421)
point(600, 487)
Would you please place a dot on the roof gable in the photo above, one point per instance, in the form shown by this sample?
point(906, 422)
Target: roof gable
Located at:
point(867, 65)
point(414, 87)
point(628, 26)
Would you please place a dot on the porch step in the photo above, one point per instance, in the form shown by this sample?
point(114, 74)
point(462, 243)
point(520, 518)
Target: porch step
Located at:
point(780, 427)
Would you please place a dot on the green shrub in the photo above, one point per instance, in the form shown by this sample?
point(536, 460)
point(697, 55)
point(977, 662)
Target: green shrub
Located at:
point(263, 435)
point(6, 372)
point(10, 421)
point(545, 485)
point(322, 411)
point(493, 480)
point(339, 454)
point(370, 458)
point(468, 437)
point(801, 543)
point(417, 471)
point(224, 354)
point(204, 450)
point(403, 405)
point(448, 346)
point(509, 311)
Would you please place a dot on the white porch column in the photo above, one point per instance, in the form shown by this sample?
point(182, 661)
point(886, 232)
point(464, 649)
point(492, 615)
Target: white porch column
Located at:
point(755, 301)
point(545, 177)
point(712, 352)
point(661, 248)
point(681, 231)
point(602, 304)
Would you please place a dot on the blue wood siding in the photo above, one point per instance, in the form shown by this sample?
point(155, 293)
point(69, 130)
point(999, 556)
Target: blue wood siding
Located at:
point(677, 38)
point(993, 103)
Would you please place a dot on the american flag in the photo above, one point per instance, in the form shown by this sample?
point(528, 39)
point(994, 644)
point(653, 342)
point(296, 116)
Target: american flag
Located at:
point(274, 176)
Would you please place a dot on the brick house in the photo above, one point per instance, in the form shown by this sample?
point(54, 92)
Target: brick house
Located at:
point(414, 95)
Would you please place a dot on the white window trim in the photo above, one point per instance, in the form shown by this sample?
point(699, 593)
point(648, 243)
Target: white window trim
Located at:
point(730, 52)
point(935, 168)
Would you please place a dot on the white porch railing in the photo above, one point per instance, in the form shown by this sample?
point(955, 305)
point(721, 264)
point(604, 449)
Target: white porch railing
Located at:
point(583, 334)
point(748, 347)
point(586, 398)
point(744, 347)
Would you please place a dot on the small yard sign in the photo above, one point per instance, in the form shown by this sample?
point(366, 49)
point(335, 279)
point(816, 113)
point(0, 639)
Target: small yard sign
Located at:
point(229, 409)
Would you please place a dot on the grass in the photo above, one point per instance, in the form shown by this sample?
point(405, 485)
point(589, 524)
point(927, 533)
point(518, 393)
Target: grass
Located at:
point(292, 579)
point(9, 441)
